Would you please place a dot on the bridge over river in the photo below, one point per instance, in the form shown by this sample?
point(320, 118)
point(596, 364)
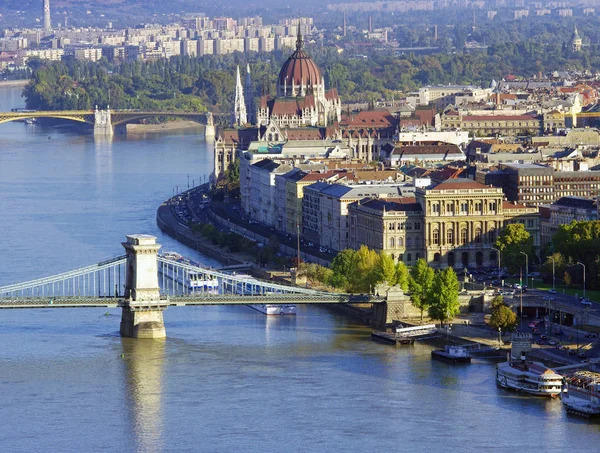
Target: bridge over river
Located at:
point(144, 283)
point(104, 121)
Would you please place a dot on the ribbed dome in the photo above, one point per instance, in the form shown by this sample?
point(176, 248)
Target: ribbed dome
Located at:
point(298, 70)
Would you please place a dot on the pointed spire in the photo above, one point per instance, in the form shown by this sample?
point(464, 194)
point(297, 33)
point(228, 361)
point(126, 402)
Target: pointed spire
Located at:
point(239, 109)
point(299, 40)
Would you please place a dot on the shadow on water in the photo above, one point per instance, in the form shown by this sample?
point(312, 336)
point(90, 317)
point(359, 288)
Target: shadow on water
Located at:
point(144, 369)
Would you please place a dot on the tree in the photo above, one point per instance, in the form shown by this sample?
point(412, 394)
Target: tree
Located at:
point(341, 267)
point(402, 276)
point(386, 269)
point(363, 271)
point(503, 318)
point(513, 240)
point(419, 284)
point(443, 296)
point(567, 279)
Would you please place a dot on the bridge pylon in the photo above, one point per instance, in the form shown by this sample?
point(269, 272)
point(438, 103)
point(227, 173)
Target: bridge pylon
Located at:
point(143, 306)
point(102, 122)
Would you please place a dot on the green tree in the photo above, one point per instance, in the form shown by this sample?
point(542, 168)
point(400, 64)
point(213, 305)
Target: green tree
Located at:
point(503, 318)
point(402, 276)
point(341, 267)
point(419, 283)
point(386, 269)
point(443, 297)
point(363, 273)
point(513, 240)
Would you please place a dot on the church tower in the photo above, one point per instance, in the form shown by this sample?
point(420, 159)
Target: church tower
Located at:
point(240, 117)
point(250, 111)
point(576, 41)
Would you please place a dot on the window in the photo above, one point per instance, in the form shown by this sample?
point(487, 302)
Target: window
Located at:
point(478, 235)
point(435, 208)
point(450, 208)
point(464, 207)
point(417, 256)
point(408, 257)
point(463, 236)
point(450, 237)
point(408, 226)
point(409, 242)
point(417, 226)
point(392, 243)
point(491, 236)
point(391, 226)
point(436, 237)
point(400, 242)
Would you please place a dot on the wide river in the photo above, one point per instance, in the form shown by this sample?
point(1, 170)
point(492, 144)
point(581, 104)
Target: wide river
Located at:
point(226, 378)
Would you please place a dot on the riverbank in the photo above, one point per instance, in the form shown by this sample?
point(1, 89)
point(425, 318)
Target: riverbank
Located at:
point(13, 83)
point(169, 126)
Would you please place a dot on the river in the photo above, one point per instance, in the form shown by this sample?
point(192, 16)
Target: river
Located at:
point(226, 378)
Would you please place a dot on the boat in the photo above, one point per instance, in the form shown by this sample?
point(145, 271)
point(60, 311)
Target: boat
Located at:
point(274, 309)
point(454, 354)
point(30, 120)
point(581, 394)
point(247, 285)
point(193, 281)
point(529, 377)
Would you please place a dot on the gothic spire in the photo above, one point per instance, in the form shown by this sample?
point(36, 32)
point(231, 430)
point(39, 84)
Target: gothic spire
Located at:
point(239, 108)
point(299, 40)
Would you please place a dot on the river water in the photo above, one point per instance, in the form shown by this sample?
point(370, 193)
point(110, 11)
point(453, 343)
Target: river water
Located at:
point(226, 378)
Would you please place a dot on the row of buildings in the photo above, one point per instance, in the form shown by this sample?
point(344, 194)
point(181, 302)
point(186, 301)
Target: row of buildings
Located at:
point(195, 36)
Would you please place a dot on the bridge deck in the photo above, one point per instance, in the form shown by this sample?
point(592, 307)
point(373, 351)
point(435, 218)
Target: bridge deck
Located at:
point(178, 301)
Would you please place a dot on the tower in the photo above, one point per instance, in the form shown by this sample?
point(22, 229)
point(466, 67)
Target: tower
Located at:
point(47, 24)
point(239, 108)
point(249, 95)
point(576, 41)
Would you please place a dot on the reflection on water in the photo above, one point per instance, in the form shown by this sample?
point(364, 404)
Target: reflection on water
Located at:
point(144, 362)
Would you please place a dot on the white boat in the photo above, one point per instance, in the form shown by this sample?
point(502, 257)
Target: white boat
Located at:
point(274, 309)
point(249, 286)
point(193, 281)
point(581, 394)
point(530, 377)
point(454, 354)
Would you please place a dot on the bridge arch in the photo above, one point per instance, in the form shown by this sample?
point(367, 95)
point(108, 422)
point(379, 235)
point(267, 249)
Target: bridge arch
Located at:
point(79, 117)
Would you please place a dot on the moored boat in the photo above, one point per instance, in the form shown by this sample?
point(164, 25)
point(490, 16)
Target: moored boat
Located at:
point(533, 378)
point(581, 394)
point(454, 354)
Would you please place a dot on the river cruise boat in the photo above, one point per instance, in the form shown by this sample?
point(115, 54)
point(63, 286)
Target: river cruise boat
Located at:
point(274, 309)
point(453, 354)
point(581, 394)
point(249, 286)
point(193, 281)
point(530, 377)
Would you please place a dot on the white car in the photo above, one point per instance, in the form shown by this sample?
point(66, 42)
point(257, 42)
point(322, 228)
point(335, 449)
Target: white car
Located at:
point(586, 302)
point(552, 291)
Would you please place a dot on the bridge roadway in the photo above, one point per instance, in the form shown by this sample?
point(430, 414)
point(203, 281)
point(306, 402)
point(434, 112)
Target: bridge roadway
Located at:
point(88, 116)
point(181, 301)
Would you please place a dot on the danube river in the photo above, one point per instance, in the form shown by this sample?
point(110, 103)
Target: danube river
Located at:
point(226, 378)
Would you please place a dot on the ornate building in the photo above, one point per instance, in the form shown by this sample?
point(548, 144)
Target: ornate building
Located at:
point(451, 224)
point(301, 97)
point(240, 118)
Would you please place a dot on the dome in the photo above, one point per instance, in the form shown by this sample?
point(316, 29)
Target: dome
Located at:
point(298, 70)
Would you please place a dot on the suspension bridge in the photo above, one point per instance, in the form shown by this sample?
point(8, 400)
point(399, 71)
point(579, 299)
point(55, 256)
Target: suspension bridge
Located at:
point(144, 283)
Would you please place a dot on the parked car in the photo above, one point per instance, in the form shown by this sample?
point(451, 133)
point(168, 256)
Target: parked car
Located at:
point(552, 291)
point(586, 302)
point(551, 342)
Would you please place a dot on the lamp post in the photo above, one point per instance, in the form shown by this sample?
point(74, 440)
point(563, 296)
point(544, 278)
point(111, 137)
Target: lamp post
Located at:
point(499, 255)
point(526, 268)
point(579, 262)
point(553, 273)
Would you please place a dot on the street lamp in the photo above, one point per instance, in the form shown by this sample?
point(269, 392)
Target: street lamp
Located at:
point(553, 273)
point(526, 268)
point(579, 262)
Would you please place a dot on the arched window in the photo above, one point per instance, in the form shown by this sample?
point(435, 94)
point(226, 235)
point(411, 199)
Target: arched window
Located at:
point(392, 243)
point(409, 242)
point(436, 237)
point(478, 235)
point(400, 242)
point(270, 137)
point(492, 236)
point(450, 237)
point(463, 236)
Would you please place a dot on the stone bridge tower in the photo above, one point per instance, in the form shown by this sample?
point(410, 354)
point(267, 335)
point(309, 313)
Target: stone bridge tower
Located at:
point(102, 122)
point(143, 307)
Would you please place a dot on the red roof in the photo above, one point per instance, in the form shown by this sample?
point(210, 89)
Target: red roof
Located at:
point(372, 119)
point(512, 205)
point(459, 183)
point(299, 69)
point(500, 118)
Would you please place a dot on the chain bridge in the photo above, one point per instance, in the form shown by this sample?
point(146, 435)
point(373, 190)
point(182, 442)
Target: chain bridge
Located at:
point(105, 120)
point(144, 283)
